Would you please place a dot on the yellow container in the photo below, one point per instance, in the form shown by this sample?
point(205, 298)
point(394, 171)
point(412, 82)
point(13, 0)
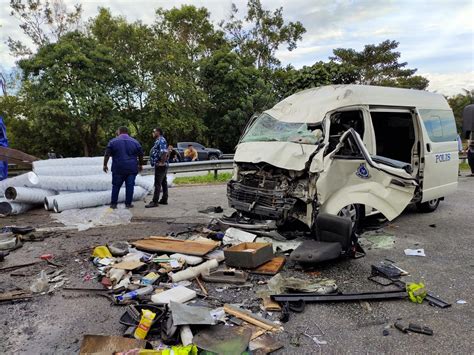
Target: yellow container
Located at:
point(101, 252)
point(145, 324)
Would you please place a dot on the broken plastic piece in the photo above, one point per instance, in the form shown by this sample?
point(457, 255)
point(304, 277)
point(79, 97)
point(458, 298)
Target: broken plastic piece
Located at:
point(416, 292)
point(179, 294)
point(193, 272)
point(41, 284)
point(101, 252)
point(415, 252)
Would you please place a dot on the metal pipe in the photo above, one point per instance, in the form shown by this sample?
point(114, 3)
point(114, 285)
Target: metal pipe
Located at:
point(80, 170)
point(28, 194)
point(91, 199)
point(68, 162)
point(76, 183)
point(29, 179)
point(8, 208)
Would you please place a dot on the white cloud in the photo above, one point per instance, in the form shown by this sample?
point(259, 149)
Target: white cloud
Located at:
point(450, 84)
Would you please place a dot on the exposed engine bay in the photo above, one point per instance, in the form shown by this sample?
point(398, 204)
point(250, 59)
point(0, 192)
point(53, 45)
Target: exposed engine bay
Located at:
point(266, 192)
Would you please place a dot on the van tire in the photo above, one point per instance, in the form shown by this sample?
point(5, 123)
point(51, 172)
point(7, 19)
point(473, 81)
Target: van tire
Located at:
point(428, 206)
point(358, 218)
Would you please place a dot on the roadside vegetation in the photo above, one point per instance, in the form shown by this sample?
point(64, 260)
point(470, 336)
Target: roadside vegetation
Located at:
point(204, 179)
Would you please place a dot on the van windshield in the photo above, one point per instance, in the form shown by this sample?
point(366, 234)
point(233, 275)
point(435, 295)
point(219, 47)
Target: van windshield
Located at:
point(268, 129)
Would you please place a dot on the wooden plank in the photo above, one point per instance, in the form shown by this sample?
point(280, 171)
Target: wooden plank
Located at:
point(105, 344)
point(271, 267)
point(171, 245)
point(16, 156)
point(15, 295)
point(270, 305)
point(250, 318)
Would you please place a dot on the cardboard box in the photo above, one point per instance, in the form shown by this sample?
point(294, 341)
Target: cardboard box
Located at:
point(248, 255)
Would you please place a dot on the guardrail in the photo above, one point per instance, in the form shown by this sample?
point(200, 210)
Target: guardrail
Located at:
point(207, 165)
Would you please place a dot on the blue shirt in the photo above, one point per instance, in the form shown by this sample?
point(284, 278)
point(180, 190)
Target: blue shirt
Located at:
point(124, 151)
point(159, 148)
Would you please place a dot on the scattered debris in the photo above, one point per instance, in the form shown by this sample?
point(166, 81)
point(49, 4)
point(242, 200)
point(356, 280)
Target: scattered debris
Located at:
point(461, 302)
point(271, 267)
point(171, 245)
point(377, 240)
point(248, 255)
point(222, 339)
point(106, 344)
point(15, 295)
point(412, 327)
point(415, 252)
point(236, 236)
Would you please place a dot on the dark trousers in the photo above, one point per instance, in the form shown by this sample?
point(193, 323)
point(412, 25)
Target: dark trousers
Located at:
point(470, 160)
point(117, 182)
point(160, 183)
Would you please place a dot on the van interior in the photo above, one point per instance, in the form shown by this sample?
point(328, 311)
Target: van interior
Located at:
point(394, 135)
point(341, 122)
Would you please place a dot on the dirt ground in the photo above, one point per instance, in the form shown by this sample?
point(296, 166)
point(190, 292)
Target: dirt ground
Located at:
point(55, 323)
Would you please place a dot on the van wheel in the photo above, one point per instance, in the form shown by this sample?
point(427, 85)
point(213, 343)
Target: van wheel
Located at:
point(428, 206)
point(355, 212)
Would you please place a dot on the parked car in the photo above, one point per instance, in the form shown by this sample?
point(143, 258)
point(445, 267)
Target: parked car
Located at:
point(203, 152)
point(346, 150)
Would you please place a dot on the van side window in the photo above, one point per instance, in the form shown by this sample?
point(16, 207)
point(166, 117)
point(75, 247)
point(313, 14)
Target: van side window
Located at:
point(439, 124)
point(394, 134)
point(341, 122)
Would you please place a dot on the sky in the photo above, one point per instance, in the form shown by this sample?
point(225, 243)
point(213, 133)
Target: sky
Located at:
point(436, 36)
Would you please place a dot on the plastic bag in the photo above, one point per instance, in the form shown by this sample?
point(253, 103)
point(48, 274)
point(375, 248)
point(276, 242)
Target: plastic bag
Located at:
point(86, 218)
point(41, 284)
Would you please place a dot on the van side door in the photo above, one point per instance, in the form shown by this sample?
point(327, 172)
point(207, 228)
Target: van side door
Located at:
point(441, 161)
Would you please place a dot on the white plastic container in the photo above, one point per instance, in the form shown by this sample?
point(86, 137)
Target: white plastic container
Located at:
point(193, 272)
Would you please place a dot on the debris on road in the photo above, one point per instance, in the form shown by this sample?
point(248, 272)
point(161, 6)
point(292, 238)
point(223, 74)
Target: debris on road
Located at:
point(415, 252)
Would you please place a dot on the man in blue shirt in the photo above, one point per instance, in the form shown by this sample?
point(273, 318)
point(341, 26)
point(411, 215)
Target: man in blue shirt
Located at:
point(159, 159)
point(127, 161)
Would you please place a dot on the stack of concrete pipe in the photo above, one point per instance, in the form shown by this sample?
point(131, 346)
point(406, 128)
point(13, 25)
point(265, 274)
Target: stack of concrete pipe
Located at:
point(63, 184)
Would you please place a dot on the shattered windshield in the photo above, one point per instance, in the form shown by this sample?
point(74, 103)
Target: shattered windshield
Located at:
point(268, 129)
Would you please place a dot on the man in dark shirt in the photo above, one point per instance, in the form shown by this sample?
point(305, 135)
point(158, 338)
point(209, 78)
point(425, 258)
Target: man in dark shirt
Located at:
point(127, 161)
point(159, 160)
point(173, 155)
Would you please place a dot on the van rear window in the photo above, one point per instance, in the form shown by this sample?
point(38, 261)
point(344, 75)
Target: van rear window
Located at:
point(439, 124)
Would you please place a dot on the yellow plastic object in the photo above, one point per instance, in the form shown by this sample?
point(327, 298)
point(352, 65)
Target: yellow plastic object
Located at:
point(145, 324)
point(181, 350)
point(101, 252)
point(416, 292)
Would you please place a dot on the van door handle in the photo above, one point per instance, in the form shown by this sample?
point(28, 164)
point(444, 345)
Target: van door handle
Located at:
point(428, 147)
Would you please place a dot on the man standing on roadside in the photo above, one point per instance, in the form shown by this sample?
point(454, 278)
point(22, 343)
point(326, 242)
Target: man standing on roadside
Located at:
point(127, 161)
point(159, 160)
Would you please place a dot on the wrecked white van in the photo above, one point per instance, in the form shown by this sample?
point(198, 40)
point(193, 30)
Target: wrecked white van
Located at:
point(346, 150)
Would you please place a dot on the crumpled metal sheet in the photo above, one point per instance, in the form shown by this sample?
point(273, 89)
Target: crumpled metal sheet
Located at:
point(279, 284)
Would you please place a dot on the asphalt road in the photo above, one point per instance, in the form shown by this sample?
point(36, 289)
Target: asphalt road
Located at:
point(56, 323)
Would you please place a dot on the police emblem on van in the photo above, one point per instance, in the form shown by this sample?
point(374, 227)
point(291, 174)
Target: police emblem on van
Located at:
point(362, 171)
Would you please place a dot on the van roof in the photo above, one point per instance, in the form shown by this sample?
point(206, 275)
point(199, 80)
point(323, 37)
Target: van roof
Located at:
point(312, 104)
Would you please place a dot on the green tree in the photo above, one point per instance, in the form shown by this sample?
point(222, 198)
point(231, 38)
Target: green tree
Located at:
point(287, 81)
point(378, 65)
point(458, 102)
point(236, 90)
point(43, 22)
point(262, 33)
point(69, 85)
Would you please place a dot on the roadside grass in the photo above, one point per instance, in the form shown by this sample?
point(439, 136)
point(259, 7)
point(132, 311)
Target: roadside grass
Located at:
point(464, 166)
point(203, 179)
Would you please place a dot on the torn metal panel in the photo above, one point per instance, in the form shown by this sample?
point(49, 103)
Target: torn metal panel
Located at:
point(286, 155)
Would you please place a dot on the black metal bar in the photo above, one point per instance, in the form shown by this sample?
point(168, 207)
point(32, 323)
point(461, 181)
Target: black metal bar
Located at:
point(311, 297)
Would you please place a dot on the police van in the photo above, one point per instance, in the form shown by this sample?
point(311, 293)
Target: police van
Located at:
point(346, 150)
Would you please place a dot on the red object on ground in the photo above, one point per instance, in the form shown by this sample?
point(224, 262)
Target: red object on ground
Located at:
point(46, 256)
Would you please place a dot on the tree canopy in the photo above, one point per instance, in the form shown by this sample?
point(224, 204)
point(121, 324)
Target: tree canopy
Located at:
point(197, 80)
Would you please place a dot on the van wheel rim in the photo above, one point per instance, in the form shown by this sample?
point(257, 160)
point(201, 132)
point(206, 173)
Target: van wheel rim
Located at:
point(350, 212)
point(432, 203)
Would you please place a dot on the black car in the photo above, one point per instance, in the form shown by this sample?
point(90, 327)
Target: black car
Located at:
point(203, 152)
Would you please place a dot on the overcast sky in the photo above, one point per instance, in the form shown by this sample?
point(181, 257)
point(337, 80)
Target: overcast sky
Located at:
point(436, 36)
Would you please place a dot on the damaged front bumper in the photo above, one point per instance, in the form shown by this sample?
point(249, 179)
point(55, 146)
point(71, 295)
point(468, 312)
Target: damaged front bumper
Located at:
point(270, 204)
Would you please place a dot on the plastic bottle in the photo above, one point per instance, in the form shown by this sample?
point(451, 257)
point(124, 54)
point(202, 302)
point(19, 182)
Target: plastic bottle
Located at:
point(135, 294)
point(145, 324)
point(115, 275)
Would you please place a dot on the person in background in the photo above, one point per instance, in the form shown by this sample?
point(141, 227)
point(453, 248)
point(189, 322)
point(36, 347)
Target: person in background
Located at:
point(159, 160)
point(173, 155)
point(190, 154)
point(460, 150)
point(470, 156)
point(127, 161)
